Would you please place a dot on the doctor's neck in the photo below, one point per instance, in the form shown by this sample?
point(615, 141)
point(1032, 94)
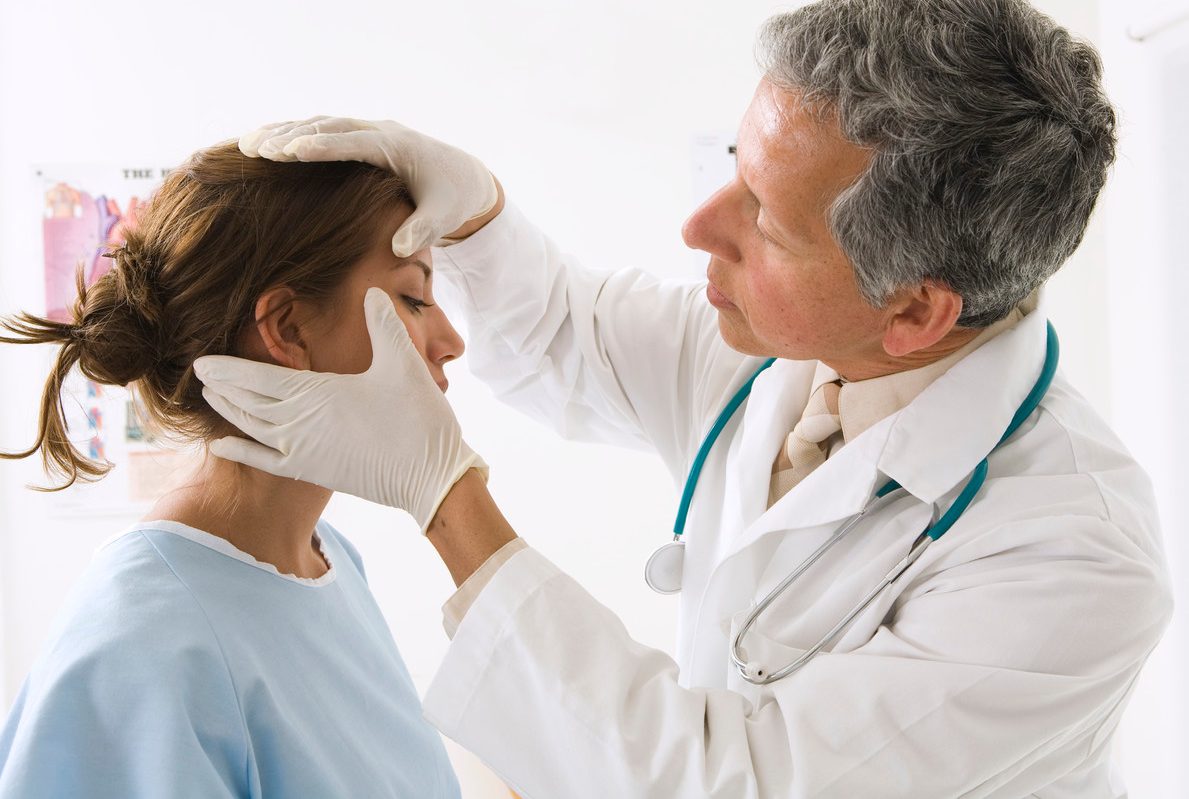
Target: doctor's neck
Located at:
point(916, 327)
point(880, 363)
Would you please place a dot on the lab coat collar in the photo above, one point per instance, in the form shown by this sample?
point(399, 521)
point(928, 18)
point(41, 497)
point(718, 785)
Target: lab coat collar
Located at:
point(863, 403)
point(929, 447)
point(936, 441)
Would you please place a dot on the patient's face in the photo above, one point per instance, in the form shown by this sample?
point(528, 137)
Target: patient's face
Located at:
point(343, 345)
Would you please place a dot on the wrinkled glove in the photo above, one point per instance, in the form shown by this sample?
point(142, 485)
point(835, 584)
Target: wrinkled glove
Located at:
point(387, 435)
point(448, 186)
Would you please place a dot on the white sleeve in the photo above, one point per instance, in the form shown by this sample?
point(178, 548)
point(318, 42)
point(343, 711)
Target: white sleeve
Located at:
point(621, 358)
point(953, 696)
point(460, 601)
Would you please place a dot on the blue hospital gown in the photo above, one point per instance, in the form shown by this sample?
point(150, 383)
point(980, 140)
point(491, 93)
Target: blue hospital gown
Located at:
point(180, 667)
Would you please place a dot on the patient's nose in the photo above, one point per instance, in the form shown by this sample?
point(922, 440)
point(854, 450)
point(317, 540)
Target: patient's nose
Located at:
point(443, 343)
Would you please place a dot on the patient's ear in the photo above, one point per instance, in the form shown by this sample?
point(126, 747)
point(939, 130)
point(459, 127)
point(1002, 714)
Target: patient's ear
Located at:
point(280, 319)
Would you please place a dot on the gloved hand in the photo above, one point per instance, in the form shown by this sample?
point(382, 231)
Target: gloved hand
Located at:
point(448, 186)
point(387, 435)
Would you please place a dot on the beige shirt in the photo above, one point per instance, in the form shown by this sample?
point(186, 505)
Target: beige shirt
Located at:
point(861, 405)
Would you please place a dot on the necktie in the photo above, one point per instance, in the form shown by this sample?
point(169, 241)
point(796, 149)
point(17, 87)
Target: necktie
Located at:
point(808, 445)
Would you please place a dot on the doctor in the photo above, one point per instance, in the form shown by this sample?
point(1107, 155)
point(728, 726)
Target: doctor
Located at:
point(910, 173)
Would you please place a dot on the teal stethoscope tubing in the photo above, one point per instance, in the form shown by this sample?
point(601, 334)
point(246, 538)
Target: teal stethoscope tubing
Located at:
point(756, 674)
point(695, 471)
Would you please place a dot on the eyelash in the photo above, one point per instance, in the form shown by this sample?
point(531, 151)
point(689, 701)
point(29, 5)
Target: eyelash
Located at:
point(415, 303)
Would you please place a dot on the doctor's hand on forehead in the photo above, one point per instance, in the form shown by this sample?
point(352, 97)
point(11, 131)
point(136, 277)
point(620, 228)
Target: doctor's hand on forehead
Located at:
point(387, 435)
point(454, 192)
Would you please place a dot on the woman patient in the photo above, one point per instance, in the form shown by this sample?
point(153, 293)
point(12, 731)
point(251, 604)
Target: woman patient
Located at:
point(228, 645)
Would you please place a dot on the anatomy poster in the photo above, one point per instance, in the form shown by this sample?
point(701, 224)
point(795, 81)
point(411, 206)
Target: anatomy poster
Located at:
point(85, 211)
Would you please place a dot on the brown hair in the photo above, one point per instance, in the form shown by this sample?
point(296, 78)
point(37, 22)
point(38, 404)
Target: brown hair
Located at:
point(220, 231)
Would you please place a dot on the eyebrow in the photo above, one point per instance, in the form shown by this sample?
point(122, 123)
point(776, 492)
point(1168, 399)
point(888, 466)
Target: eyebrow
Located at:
point(417, 262)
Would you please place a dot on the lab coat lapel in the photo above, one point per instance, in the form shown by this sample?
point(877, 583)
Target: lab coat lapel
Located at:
point(777, 400)
point(838, 488)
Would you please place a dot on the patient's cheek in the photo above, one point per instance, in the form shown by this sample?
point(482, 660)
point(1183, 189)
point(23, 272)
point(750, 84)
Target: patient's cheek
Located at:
point(344, 348)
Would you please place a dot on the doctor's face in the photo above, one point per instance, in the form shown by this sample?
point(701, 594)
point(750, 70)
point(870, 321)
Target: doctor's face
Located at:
point(781, 284)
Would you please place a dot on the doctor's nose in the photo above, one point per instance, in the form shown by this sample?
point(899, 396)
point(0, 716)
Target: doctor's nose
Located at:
point(713, 226)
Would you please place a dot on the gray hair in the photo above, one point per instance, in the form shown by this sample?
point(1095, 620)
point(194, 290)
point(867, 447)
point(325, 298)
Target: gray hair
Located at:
point(991, 134)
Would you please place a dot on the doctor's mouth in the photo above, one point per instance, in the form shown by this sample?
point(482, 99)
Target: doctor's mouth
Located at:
point(718, 299)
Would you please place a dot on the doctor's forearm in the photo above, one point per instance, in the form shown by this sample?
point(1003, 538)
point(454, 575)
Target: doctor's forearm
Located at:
point(468, 528)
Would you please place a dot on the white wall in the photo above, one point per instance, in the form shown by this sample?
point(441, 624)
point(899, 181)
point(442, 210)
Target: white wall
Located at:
point(1147, 206)
point(585, 111)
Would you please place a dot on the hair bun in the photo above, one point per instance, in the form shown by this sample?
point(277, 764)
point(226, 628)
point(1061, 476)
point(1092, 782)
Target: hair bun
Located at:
point(136, 280)
point(118, 320)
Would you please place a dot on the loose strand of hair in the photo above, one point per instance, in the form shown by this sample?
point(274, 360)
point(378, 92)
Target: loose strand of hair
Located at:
point(59, 456)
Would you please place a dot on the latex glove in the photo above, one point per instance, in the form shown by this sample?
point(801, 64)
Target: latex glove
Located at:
point(387, 435)
point(449, 187)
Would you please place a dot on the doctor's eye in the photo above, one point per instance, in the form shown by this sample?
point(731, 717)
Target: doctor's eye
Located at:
point(415, 303)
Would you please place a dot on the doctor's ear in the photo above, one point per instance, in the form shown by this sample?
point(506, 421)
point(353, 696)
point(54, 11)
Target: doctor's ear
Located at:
point(281, 319)
point(920, 317)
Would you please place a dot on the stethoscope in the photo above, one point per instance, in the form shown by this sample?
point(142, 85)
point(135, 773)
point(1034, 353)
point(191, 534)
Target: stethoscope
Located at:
point(664, 569)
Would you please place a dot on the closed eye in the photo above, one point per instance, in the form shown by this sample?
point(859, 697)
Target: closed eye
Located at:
point(415, 303)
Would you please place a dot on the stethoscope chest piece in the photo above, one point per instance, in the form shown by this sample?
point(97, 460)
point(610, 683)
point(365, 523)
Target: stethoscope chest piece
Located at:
point(664, 569)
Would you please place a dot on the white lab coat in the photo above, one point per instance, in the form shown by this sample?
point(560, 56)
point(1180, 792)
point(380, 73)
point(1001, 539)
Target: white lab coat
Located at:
point(997, 666)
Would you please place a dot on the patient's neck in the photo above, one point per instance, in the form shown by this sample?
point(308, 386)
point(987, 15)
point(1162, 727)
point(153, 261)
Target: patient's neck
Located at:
point(271, 518)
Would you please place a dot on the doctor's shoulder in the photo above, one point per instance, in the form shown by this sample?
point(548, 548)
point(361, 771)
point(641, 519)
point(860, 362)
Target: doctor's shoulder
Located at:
point(1072, 441)
point(131, 694)
point(1068, 490)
